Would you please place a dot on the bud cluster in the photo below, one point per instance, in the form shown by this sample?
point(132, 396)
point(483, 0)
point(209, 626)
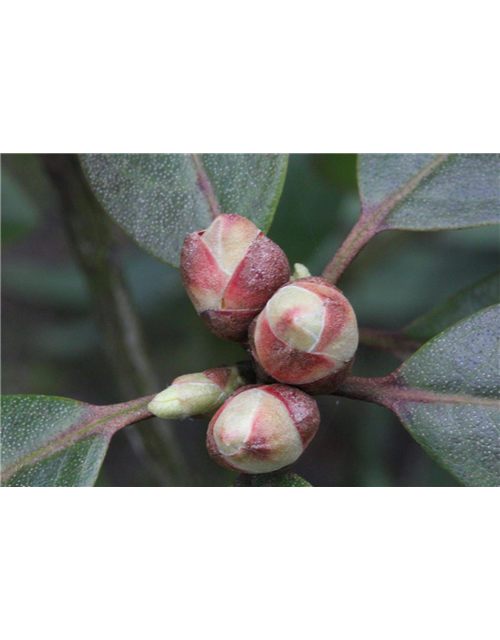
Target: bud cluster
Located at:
point(301, 331)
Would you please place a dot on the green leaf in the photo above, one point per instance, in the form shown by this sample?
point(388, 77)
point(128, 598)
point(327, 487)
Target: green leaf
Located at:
point(420, 192)
point(160, 198)
point(452, 407)
point(467, 301)
point(49, 441)
point(425, 191)
point(447, 396)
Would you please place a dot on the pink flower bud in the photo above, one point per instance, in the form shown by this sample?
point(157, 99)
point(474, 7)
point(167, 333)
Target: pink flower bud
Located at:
point(230, 271)
point(262, 428)
point(307, 336)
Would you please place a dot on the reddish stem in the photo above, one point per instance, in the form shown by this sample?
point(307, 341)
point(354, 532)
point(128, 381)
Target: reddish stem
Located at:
point(362, 232)
point(367, 389)
point(393, 341)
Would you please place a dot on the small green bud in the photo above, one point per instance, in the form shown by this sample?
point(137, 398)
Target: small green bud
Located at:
point(197, 394)
point(300, 271)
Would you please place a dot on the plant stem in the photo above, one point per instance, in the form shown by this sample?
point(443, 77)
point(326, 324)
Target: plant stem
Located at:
point(362, 232)
point(392, 392)
point(393, 341)
point(90, 235)
point(367, 389)
point(372, 220)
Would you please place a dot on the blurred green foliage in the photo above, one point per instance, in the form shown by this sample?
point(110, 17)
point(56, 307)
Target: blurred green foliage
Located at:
point(52, 343)
point(20, 213)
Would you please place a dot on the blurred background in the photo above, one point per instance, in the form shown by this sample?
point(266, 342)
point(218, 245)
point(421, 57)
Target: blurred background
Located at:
point(60, 264)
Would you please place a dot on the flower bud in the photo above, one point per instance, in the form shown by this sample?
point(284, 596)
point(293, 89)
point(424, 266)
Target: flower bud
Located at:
point(230, 271)
point(197, 394)
point(262, 428)
point(300, 271)
point(307, 336)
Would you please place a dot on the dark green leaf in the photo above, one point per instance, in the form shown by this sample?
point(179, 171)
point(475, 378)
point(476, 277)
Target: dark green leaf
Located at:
point(424, 191)
point(160, 198)
point(447, 396)
point(49, 441)
point(467, 301)
point(452, 407)
point(420, 192)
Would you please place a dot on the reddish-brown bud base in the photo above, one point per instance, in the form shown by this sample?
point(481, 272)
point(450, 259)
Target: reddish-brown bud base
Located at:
point(229, 325)
point(322, 387)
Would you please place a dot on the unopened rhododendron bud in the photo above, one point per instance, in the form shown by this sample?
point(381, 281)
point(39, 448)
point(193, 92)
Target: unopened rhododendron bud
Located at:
point(262, 428)
point(230, 271)
point(307, 336)
point(197, 394)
